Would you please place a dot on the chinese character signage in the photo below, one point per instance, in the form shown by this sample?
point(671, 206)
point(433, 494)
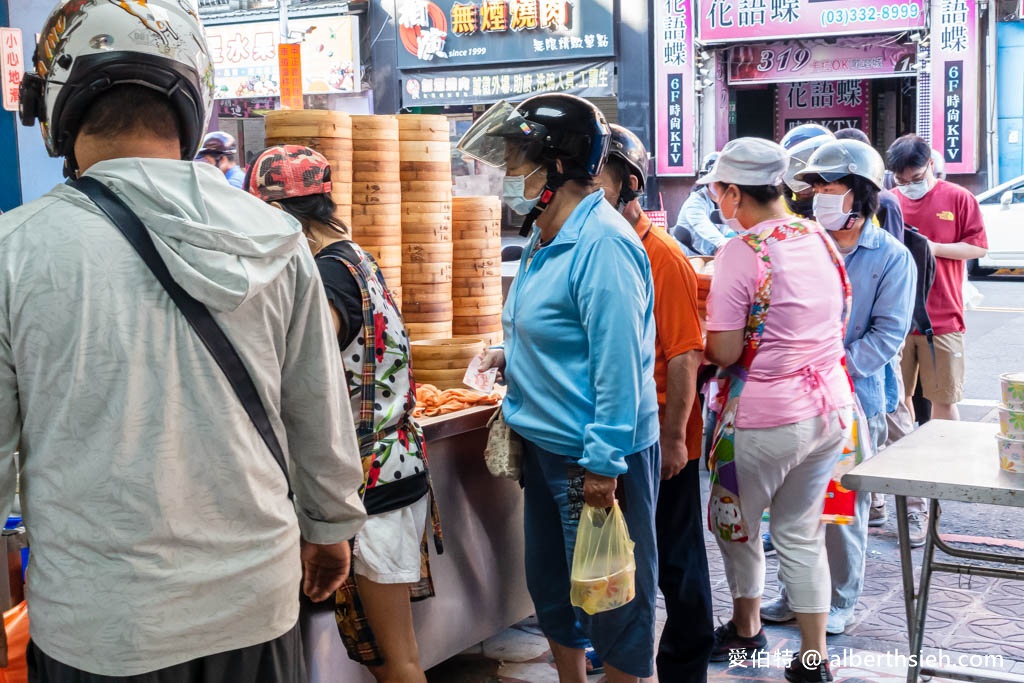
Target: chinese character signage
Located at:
point(289, 61)
point(245, 57)
point(833, 104)
point(802, 60)
point(955, 78)
point(728, 20)
point(475, 32)
point(13, 66)
point(477, 86)
point(676, 102)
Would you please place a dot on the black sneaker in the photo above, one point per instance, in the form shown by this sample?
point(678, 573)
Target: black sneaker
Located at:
point(730, 646)
point(797, 672)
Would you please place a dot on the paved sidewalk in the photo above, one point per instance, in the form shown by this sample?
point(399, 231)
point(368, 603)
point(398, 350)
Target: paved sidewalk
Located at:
point(969, 617)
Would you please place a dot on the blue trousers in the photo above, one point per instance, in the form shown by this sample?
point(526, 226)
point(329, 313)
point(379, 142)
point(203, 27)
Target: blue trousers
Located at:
point(623, 637)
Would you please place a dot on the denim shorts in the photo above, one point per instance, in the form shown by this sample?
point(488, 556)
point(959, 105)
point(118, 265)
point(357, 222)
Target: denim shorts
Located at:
point(623, 637)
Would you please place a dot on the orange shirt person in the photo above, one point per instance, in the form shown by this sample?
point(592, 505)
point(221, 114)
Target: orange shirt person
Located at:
point(684, 579)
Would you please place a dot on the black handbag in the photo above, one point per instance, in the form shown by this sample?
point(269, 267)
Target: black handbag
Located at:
point(198, 316)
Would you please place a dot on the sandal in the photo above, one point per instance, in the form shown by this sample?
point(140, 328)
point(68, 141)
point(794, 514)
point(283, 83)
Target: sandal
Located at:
point(594, 664)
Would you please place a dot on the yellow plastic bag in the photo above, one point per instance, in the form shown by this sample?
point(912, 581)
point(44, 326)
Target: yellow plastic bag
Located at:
point(603, 567)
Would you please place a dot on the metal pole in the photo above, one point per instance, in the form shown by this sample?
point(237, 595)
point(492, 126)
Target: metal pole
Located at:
point(991, 106)
point(282, 18)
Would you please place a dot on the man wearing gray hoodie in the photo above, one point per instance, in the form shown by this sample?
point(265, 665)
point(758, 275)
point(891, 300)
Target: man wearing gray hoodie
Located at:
point(164, 544)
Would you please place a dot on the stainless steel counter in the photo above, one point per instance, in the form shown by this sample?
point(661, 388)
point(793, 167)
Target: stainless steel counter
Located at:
point(480, 581)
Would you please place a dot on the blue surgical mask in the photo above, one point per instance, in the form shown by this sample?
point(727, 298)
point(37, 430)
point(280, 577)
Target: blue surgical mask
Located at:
point(514, 193)
point(914, 191)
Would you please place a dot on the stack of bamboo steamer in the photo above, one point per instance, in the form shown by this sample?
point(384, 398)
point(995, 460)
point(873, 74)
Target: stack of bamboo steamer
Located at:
point(377, 195)
point(443, 362)
point(426, 184)
point(328, 132)
point(476, 267)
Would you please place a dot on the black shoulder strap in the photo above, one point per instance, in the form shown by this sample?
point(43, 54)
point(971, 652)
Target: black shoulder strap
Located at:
point(196, 313)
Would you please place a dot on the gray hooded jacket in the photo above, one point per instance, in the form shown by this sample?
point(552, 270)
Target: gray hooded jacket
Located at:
point(159, 524)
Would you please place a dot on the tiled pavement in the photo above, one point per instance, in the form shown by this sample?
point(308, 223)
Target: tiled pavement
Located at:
point(967, 615)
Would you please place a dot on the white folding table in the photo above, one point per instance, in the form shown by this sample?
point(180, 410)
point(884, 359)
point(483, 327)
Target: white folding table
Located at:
point(943, 460)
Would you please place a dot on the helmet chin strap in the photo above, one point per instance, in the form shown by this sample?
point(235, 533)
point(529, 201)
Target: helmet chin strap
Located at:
point(554, 181)
point(626, 195)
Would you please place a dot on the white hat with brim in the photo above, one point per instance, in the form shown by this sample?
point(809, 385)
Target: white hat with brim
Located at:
point(749, 161)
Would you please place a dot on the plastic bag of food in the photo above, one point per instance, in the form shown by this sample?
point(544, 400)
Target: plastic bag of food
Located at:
point(603, 568)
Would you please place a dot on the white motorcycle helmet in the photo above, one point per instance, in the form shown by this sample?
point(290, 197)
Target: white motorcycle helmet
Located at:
point(87, 47)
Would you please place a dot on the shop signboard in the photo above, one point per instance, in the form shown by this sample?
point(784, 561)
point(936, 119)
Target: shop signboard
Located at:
point(289, 61)
point(245, 57)
point(955, 78)
point(674, 92)
point(444, 33)
point(723, 21)
point(833, 104)
point(13, 66)
point(481, 86)
point(804, 60)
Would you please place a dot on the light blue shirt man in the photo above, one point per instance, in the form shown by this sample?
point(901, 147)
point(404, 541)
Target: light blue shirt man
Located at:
point(883, 277)
point(694, 221)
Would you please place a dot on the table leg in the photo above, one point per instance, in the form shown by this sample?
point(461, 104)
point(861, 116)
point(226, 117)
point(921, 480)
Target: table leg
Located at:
point(906, 565)
point(923, 589)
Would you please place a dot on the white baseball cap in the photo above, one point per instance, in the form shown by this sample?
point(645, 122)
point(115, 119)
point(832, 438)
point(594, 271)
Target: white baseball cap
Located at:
point(749, 161)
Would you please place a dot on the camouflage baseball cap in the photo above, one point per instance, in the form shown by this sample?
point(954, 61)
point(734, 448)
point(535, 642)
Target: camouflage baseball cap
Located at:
point(288, 171)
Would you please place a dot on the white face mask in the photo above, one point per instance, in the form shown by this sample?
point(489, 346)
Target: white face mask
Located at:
point(514, 193)
point(733, 223)
point(828, 211)
point(914, 190)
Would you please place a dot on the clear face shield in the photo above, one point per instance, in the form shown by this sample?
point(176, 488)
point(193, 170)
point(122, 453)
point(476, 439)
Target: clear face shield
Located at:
point(502, 138)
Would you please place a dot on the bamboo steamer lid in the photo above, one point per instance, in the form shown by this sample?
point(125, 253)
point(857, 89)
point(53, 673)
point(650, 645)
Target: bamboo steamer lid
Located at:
point(376, 156)
point(431, 375)
point(437, 166)
point(374, 122)
point(476, 324)
point(440, 296)
point(373, 165)
point(440, 233)
point(371, 145)
point(440, 364)
point(428, 272)
point(375, 198)
point(427, 176)
point(338, 147)
point(491, 245)
point(384, 254)
point(451, 348)
point(425, 152)
point(479, 300)
point(376, 186)
point(475, 312)
point(482, 288)
point(424, 331)
point(494, 271)
point(475, 254)
point(427, 196)
point(429, 252)
point(393, 211)
point(482, 201)
point(424, 126)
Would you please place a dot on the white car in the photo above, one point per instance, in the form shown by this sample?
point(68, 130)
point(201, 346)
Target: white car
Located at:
point(1003, 210)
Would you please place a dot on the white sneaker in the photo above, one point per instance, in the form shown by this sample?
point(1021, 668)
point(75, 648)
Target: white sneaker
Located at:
point(777, 611)
point(918, 525)
point(837, 620)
